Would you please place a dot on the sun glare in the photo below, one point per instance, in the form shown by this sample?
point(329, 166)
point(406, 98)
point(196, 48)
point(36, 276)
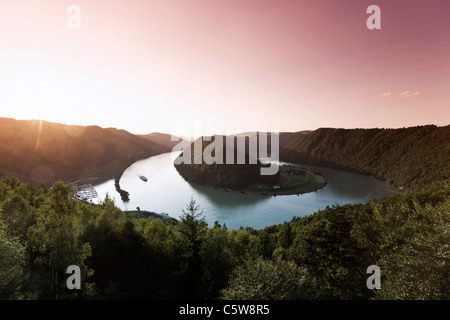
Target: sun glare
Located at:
point(38, 136)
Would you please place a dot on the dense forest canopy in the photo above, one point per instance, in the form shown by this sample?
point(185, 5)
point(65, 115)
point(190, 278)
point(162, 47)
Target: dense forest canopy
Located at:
point(221, 173)
point(411, 158)
point(321, 256)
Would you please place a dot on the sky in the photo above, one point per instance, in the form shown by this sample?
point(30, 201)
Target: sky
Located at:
point(176, 66)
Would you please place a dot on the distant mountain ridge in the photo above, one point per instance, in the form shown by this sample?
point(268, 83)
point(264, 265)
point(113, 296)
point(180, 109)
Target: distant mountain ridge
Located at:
point(43, 152)
point(411, 158)
point(159, 138)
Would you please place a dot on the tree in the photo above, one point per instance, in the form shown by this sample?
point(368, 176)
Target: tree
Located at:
point(216, 260)
point(264, 279)
point(286, 236)
point(163, 262)
point(415, 262)
point(55, 241)
point(325, 247)
point(18, 215)
point(192, 230)
point(12, 259)
point(192, 227)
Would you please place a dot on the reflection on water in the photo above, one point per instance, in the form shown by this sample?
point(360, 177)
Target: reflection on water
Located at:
point(232, 200)
point(166, 191)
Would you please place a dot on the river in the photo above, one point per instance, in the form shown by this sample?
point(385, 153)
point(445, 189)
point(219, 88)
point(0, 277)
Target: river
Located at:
point(167, 192)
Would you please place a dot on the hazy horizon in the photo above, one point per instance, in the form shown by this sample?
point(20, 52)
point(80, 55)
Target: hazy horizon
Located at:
point(151, 66)
point(218, 132)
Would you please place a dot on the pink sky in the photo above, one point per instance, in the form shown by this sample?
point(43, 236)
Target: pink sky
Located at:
point(152, 65)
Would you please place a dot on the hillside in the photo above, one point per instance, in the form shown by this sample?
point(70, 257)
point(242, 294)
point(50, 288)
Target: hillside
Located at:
point(247, 177)
point(233, 176)
point(163, 139)
point(43, 152)
point(411, 158)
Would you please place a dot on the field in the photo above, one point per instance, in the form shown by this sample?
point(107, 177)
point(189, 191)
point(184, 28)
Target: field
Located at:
point(292, 181)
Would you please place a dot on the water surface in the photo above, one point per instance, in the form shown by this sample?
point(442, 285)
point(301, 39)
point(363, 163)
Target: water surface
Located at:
point(166, 191)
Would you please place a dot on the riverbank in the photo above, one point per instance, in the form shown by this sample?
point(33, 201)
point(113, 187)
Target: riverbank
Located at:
point(293, 181)
point(112, 171)
point(167, 191)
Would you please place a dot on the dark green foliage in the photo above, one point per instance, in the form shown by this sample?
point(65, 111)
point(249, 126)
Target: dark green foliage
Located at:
point(406, 236)
point(326, 248)
point(54, 242)
point(233, 176)
point(321, 256)
point(12, 260)
point(286, 236)
point(217, 260)
point(192, 231)
point(410, 158)
point(261, 279)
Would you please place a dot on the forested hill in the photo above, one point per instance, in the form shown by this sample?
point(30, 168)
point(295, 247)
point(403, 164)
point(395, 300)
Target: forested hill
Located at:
point(233, 176)
point(43, 152)
point(411, 158)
